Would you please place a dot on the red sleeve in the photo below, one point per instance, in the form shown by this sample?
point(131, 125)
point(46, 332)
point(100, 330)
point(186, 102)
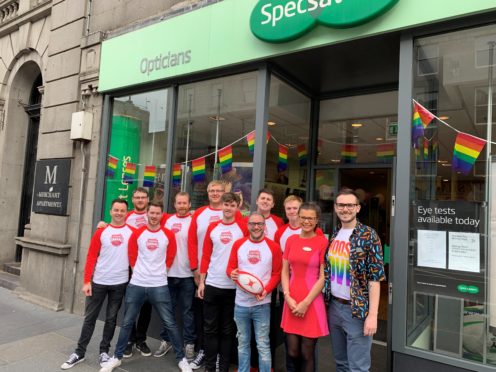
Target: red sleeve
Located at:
point(243, 225)
point(193, 240)
point(278, 220)
point(323, 249)
point(207, 249)
point(171, 248)
point(239, 216)
point(132, 247)
point(164, 219)
point(319, 231)
point(128, 214)
point(92, 256)
point(275, 277)
point(233, 258)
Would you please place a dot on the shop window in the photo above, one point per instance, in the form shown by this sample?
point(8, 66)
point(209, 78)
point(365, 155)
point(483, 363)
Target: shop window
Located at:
point(287, 154)
point(451, 275)
point(214, 121)
point(138, 138)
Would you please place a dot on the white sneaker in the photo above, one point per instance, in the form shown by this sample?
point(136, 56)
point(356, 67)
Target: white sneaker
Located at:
point(111, 364)
point(103, 359)
point(189, 351)
point(162, 349)
point(184, 366)
point(199, 360)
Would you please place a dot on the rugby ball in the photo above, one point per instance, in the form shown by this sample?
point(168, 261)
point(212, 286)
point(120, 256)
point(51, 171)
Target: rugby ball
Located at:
point(249, 283)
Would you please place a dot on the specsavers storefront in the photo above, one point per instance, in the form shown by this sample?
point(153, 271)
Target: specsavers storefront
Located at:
point(393, 98)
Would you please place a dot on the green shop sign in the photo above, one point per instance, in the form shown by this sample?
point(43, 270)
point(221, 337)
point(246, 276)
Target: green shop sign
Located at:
point(278, 21)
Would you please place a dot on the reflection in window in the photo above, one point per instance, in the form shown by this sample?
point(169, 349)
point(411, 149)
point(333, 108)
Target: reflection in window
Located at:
point(451, 307)
point(136, 155)
point(213, 115)
point(287, 148)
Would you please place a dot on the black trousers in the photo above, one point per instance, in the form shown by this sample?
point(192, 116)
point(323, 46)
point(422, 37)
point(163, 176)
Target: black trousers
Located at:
point(94, 303)
point(198, 310)
point(219, 326)
point(138, 332)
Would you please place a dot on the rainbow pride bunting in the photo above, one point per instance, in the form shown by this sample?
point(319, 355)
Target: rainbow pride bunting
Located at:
point(111, 166)
point(129, 173)
point(467, 150)
point(198, 169)
point(421, 119)
point(176, 174)
point(225, 159)
point(302, 155)
point(250, 138)
point(149, 176)
point(282, 163)
point(348, 154)
point(426, 148)
point(385, 152)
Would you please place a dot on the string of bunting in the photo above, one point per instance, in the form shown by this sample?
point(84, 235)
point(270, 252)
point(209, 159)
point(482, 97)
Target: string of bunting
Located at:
point(467, 147)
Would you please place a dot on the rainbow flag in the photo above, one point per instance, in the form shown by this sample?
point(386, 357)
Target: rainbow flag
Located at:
point(225, 159)
point(348, 154)
point(129, 173)
point(421, 119)
point(250, 138)
point(149, 176)
point(198, 166)
point(385, 152)
point(282, 163)
point(467, 150)
point(176, 174)
point(111, 166)
point(302, 155)
point(426, 148)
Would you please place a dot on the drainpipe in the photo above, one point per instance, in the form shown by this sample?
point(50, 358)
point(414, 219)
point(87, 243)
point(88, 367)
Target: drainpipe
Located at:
point(79, 224)
point(88, 16)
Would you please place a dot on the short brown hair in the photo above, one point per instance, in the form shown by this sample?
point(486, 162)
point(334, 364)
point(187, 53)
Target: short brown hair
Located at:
point(155, 204)
point(266, 191)
point(347, 191)
point(119, 201)
point(182, 193)
point(229, 197)
point(141, 189)
point(291, 198)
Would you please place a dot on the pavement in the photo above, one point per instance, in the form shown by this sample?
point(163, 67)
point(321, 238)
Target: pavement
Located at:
point(33, 338)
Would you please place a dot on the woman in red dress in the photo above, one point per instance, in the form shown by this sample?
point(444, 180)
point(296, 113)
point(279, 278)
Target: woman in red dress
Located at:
point(302, 279)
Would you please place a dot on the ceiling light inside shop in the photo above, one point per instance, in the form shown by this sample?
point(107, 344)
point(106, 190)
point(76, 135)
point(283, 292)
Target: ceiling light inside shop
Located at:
point(271, 123)
point(335, 160)
point(356, 125)
point(444, 117)
point(446, 165)
point(445, 180)
point(379, 139)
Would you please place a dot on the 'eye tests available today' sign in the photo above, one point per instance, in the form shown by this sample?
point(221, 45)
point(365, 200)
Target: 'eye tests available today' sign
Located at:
point(449, 252)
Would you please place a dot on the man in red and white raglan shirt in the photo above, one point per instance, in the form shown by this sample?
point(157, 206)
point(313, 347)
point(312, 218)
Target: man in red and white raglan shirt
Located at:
point(216, 288)
point(262, 258)
point(106, 274)
point(180, 277)
point(152, 250)
point(265, 202)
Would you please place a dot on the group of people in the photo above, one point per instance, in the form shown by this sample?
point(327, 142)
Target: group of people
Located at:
point(194, 262)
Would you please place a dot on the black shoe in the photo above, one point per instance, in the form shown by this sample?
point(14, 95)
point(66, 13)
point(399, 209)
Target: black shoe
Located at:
point(128, 352)
point(145, 350)
point(72, 361)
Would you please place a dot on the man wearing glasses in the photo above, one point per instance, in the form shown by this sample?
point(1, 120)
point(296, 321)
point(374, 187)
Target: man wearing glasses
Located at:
point(353, 269)
point(262, 257)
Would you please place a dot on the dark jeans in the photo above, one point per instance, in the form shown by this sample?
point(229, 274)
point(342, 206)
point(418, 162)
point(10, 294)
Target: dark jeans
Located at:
point(218, 317)
point(182, 291)
point(138, 332)
point(94, 303)
point(198, 311)
point(159, 297)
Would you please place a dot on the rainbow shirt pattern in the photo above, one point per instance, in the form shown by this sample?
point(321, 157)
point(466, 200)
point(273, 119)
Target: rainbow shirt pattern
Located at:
point(339, 262)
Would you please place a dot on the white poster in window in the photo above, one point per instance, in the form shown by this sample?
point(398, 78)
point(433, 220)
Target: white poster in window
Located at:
point(431, 250)
point(464, 251)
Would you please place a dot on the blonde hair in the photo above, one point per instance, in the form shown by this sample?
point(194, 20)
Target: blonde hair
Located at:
point(216, 183)
point(291, 198)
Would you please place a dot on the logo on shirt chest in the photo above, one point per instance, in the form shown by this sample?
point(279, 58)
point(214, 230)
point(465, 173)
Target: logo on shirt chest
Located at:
point(152, 244)
point(213, 219)
point(226, 237)
point(176, 227)
point(116, 240)
point(254, 257)
point(140, 221)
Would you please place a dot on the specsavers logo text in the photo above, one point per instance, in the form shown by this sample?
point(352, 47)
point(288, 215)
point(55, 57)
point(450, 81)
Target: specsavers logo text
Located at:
point(282, 20)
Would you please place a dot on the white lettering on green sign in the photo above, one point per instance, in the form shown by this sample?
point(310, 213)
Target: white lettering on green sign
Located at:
point(281, 20)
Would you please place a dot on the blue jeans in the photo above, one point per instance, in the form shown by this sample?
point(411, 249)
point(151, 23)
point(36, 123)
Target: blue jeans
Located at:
point(159, 297)
point(260, 316)
point(182, 292)
point(350, 347)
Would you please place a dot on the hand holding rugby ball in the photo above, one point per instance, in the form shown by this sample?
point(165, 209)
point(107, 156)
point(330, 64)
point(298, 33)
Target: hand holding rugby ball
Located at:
point(249, 283)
